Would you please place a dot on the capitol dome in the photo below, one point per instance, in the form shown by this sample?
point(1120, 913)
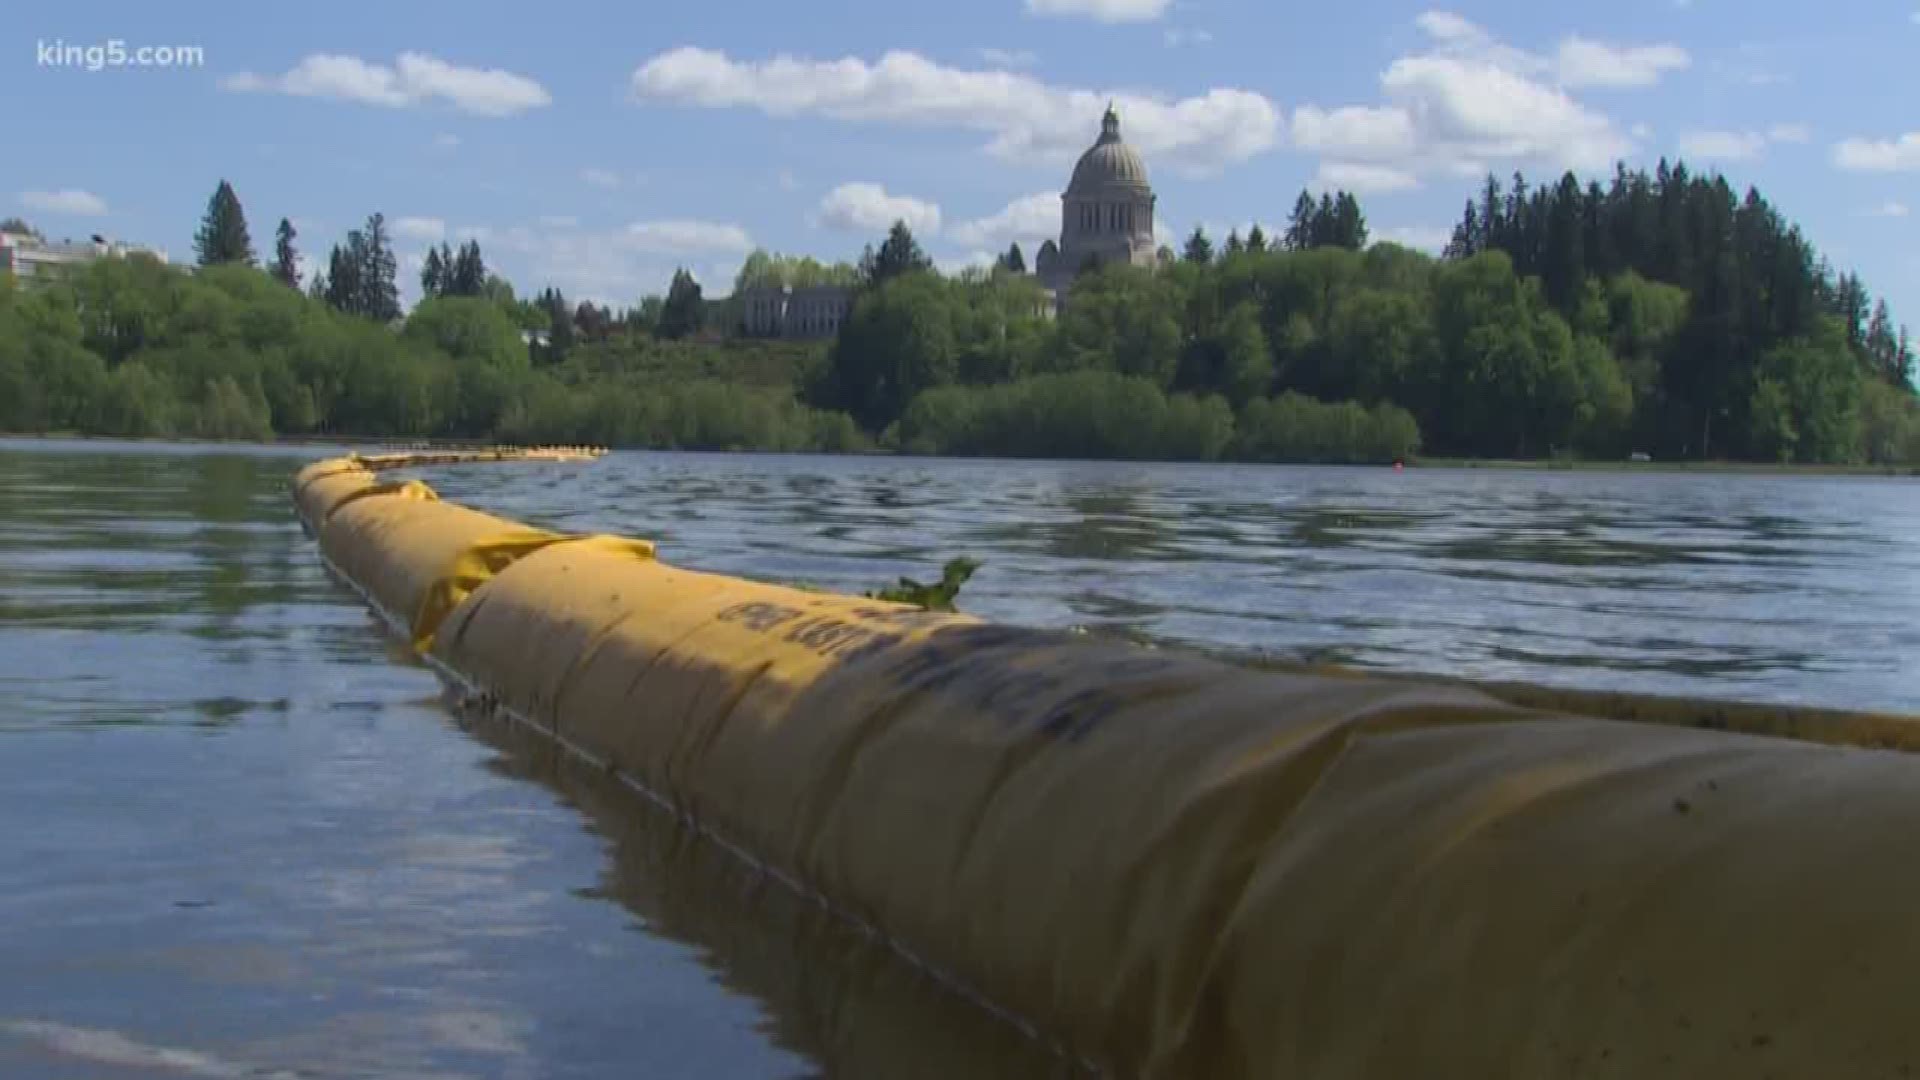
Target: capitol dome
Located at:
point(1109, 160)
point(1106, 213)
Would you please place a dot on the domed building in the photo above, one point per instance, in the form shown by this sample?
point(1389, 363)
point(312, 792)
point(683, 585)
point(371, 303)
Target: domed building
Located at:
point(1106, 213)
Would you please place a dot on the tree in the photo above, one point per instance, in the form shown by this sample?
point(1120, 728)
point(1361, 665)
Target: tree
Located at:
point(1235, 245)
point(433, 275)
point(899, 254)
point(559, 319)
point(466, 274)
point(468, 329)
point(1014, 261)
point(379, 295)
point(898, 340)
point(1256, 239)
point(223, 231)
point(286, 261)
point(1465, 242)
point(1882, 346)
point(684, 310)
point(1299, 234)
point(344, 266)
point(594, 323)
point(1199, 249)
point(18, 227)
point(1348, 228)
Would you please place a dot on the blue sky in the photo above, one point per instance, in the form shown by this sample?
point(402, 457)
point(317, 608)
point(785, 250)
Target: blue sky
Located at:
point(597, 146)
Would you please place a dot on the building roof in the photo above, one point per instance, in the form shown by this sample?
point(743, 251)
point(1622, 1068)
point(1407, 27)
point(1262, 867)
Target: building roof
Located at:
point(1109, 160)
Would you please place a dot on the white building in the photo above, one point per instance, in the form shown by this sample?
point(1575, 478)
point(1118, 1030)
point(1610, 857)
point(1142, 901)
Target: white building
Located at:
point(1106, 216)
point(1106, 213)
point(812, 311)
point(29, 259)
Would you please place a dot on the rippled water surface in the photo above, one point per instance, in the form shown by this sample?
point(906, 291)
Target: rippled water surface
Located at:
point(245, 839)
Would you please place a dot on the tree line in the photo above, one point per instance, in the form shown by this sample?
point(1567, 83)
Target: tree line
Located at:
point(1660, 314)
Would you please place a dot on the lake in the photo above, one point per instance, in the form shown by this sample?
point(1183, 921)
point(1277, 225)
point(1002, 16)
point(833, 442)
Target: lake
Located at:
point(247, 839)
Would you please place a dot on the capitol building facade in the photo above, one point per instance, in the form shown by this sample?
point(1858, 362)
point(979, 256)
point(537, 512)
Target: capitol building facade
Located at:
point(1106, 216)
point(1106, 213)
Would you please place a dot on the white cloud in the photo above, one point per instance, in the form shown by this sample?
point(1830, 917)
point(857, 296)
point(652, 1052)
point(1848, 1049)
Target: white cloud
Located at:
point(1578, 62)
point(65, 201)
point(687, 237)
point(1890, 210)
point(1477, 110)
point(1107, 11)
point(1354, 131)
point(1915, 17)
point(866, 207)
point(972, 260)
point(1467, 103)
point(1176, 37)
point(1419, 237)
point(1723, 145)
point(1010, 58)
point(1739, 145)
point(1446, 26)
point(1364, 179)
point(420, 228)
point(1642, 132)
point(601, 178)
point(1901, 154)
point(414, 79)
point(1583, 63)
point(559, 221)
point(608, 266)
point(1027, 119)
point(1029, 221)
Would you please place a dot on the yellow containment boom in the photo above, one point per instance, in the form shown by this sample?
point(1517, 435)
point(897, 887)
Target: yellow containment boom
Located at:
point(1171, 866)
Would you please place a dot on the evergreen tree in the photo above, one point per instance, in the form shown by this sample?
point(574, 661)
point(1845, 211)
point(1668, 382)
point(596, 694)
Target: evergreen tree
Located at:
point(1882, 345)
point(467, 272)
point(223, 231)
point(286, 261)
point(1321, 227)
point(1235, 245)
point(1014, 260)
point(1565, 268)
point(899, 254)
point(685, 309)
point(560, 330)
point(379, 295)
point(1492, 226)
point(1349, 228)
point(1299, 234)
point(1199, 249)
point(1465, 242)
point(1256, 239)
point(18, 227)
point(343, 277)
point(433, 275)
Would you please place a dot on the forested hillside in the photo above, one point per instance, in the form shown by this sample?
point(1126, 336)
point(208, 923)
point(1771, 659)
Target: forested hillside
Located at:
point(1658, 313)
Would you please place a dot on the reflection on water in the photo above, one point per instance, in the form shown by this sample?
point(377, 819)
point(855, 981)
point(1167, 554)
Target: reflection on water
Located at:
point(844, 1000)
point(247, 839)
point(1791, 589)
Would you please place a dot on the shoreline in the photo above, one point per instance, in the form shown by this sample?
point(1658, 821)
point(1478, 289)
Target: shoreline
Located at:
point(1755, 468)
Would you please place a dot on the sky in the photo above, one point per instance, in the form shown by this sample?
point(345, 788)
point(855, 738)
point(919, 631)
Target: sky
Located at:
point(597, 147)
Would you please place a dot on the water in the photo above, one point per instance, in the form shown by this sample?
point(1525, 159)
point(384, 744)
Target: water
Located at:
point(245, 838)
